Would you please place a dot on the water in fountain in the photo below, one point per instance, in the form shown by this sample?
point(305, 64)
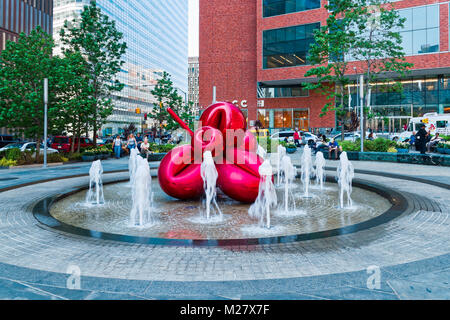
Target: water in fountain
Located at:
point(289, 172)
point(132, 165)
point(141, 211)
point(95, 193)
point(307, 169)
point(281, 152)
point(320, 172)
point(209, 176)
point(267, 196)
point(345, 175)
point(261, 152)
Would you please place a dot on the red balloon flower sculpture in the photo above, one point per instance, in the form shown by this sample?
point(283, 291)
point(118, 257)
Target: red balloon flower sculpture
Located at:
point(234, 150)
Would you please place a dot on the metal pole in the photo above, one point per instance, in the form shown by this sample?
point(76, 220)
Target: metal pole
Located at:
point(45, 120)
point(361, 114)
point(214, 95)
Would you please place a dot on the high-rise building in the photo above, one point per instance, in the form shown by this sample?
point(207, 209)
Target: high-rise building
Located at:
point(156, 33)
point(18, 16)
point(254, 53)
point(193, 81)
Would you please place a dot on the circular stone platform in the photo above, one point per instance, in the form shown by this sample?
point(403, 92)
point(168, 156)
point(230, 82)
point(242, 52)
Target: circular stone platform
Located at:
point(418, 238)
point(184, 220)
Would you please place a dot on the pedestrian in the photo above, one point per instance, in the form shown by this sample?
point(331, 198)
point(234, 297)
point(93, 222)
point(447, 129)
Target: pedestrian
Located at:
point(145, 147)
point(333, 146)
point(296, 138)
point(433, 141)
point(117, 146)
point(131, 143)
point(421, 139)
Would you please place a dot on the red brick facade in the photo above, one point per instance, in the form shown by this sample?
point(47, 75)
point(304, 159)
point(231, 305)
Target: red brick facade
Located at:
point(231, 54)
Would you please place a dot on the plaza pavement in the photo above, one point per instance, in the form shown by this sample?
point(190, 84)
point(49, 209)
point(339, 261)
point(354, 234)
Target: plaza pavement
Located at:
point(412, 251)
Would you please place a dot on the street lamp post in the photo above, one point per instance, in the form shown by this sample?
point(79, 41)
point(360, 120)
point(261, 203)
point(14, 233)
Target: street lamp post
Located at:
point(45, 120)
point(361, 115)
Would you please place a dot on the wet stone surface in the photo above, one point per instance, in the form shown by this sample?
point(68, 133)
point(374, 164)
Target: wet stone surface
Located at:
point(186, 219)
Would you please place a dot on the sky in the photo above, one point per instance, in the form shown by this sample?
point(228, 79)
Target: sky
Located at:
point(193, 28)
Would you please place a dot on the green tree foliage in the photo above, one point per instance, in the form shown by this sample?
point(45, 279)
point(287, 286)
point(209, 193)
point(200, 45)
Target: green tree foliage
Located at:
point(356, 30)
point(99, 42)
point(23, 67)
point(167, 97)
point(330, 53)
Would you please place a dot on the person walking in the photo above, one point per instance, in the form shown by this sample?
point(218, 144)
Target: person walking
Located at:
point(117, 143)
point(296, 138)
point(131, 143)
point(421, 139)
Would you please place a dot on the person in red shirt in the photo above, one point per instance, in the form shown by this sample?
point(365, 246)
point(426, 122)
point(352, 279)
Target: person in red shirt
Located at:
point(297, 138)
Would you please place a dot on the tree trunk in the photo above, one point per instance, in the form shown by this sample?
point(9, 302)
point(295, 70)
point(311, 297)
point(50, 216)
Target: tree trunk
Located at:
point(38, 149)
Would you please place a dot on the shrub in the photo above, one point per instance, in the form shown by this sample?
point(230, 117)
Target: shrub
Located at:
point(392, 150)
point(444, 145)
point(13, 154)
point(378, 145)
point(270, 145)
point(350, 145)
point(402, 145)
point(7, 163)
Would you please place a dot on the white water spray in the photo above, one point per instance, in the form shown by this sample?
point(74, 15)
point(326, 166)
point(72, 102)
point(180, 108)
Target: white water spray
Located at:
point(132, 165)
point(320, 169)
point(141, 211)
point(267, 196)
point(289, 175)
point(307, 169)
point(281, 152)
point(95, 193)
point(345, 174)
point(209, 175)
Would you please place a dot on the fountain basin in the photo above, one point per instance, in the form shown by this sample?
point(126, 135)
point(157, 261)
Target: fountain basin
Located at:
point(178, 225)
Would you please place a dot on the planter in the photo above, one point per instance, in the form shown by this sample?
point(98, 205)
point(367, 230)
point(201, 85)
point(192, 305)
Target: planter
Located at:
point(88, 158)
point(403, 150)
point(156, 156)
point(441, 150)
point(447, 150)
point(291, 150)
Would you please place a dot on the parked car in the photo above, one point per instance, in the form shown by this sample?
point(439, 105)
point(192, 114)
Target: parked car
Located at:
point(290, 135)
point(349, 136)
point(6, 139)
point(28, 146)
point(281, 135)
point(63, 144)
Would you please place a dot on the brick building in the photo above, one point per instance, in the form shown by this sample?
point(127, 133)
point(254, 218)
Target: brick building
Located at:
point(254, 53)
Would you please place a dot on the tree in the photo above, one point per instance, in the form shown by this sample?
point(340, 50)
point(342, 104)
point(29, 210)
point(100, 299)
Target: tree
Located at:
point(23, 67)
point(97, 39)
point(354, 34)
point(378, 46)
point(76, 98)
point(167, 96)
point(330, 55)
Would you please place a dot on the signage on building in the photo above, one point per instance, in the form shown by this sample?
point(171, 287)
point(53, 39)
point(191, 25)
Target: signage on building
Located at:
point(242, 104)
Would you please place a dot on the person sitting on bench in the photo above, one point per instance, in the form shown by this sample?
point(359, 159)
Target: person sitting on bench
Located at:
point(333, 146)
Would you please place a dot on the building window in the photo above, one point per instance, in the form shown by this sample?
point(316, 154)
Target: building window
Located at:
point(281, 91)
point(287, 47)
point(420, 32)
point(277, 7)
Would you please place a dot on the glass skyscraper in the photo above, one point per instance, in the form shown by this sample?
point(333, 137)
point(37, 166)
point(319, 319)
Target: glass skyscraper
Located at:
point(156, 33)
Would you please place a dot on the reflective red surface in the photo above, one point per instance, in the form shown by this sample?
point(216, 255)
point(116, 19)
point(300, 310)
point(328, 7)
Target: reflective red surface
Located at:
point(224, 133)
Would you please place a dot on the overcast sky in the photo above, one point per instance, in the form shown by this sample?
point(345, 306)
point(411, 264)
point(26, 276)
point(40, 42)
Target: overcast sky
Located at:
point(193, 28)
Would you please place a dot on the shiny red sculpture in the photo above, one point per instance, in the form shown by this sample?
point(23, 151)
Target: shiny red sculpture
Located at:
point(224, 133)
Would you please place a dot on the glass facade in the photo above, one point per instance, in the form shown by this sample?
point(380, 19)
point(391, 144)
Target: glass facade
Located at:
point(156, 33)
point(291, 91)
point(420, 95)
point(18, 16)
point(420, 32)
point(287, 47)
point(277, 7)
